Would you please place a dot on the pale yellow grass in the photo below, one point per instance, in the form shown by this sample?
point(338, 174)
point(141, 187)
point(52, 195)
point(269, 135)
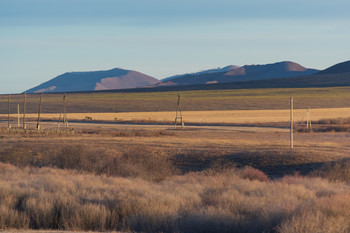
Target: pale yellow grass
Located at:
point(232, 116)
point(224, 202)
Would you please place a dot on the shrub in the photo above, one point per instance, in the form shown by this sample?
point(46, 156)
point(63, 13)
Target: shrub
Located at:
point(334, 171)
point(254, 174)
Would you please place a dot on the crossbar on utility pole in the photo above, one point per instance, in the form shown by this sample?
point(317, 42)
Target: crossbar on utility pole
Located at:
point(291, 123)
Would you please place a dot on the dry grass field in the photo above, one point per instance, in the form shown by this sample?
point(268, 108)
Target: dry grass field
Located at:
point(211, 100)
point(224, 116)
point(236, 175)
point(200, 179)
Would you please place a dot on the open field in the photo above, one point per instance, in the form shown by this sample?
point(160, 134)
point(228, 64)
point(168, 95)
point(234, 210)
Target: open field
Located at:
point(201, 179)
point(233, 116)
point(210, 100)
point(146, 176)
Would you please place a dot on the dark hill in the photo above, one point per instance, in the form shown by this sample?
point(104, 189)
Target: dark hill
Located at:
point(244, 73)
point(210, 71)
point(328, 78)
point(319, 80)
point(343, 67)
point(95, 80)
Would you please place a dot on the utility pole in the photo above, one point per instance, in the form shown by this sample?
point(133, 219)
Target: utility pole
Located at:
point(24, 111)
point(9, 112)
point(65, 121)
point(291, 123)
point(64, 113)
point(178, 116)
point(308, 120)
point(18, 121)
point(39, 111)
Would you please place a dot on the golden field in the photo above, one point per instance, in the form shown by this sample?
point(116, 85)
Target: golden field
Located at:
point(224, 116)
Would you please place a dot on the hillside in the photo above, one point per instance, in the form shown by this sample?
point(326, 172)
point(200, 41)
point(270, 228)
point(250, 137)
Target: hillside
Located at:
point(244, 73)
point(210, 71)
point(95, 80)
point(343, 67)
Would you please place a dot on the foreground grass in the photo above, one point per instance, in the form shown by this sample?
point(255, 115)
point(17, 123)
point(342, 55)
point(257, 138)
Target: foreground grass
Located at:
point(230, 201)
point(135, 153)
point(171, 181)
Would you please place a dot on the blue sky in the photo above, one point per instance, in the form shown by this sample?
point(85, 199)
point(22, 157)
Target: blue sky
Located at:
point(40, 39)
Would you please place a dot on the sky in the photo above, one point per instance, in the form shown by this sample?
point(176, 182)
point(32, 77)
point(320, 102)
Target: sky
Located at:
point(41, 39)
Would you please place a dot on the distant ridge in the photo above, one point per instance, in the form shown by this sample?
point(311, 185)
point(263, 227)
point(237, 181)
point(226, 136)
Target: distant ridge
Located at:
point(334, 76)
point(95, 80)
point(210, 71)
point(276, 75)
point(245, 73)
point(342, 67)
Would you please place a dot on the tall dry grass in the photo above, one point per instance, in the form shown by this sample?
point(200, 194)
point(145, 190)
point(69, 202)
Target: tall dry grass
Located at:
point(46, 198)
point(134, 162)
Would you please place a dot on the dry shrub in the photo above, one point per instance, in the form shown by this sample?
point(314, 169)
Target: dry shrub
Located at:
point(135, 162)
point(10, 218)
point(305, 130)
point(210, 220)
point(334, 171)
point(343, 128)
point(49, 198)
point(337, 121)
point(143, 133)
point(292, 179)
point(16, 155)
point(145, 163)
point(34, 133)
point(327, 214)
point(254, 174)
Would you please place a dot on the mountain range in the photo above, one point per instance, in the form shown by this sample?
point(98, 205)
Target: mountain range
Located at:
point(244, 73)
point(280, 74)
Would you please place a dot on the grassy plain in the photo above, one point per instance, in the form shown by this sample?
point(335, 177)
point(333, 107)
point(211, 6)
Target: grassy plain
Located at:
point(223, 116)
point(210, 100)
point(153, 178)
point(201, 179)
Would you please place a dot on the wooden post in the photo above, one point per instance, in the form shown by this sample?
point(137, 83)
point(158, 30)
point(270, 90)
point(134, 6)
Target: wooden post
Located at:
point(308, 122)
point(63, 114)
point(65, 121)
point(18, 121)
point(291, 123)
point(9, 112)
point(24, 110)
point(39, 111)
